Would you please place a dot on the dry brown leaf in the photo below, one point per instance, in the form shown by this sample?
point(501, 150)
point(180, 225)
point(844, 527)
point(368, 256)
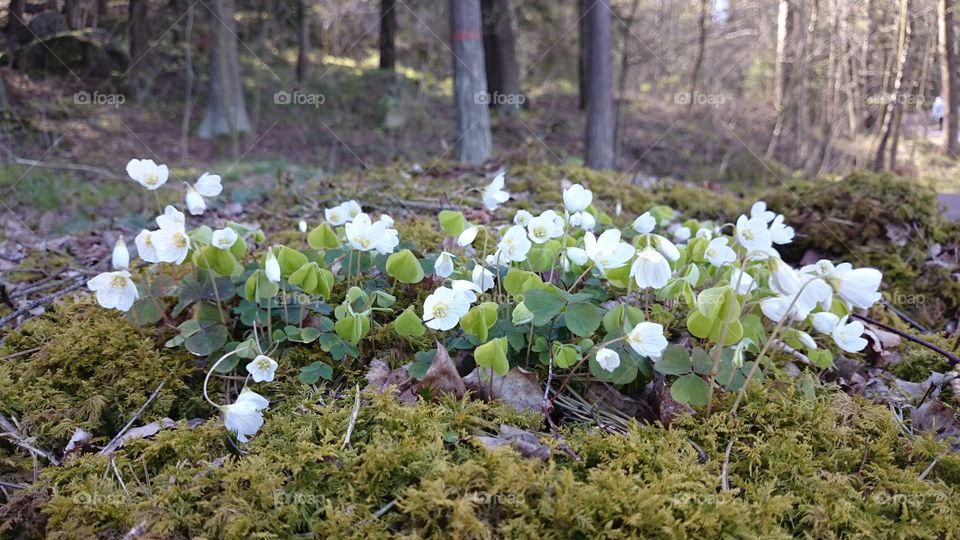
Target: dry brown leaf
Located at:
point(519, 388)
point(524, 442)
point(442, 377)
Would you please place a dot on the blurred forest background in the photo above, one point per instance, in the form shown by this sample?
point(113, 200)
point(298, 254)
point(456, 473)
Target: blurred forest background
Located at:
point(726, 94)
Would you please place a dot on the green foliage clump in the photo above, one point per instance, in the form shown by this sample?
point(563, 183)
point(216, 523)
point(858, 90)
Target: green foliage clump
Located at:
point(91, 370)
point(918, 362)
point(832, 466)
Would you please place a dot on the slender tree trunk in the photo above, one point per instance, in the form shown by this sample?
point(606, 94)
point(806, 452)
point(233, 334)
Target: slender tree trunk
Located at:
point(473, 142)
point(948, 76)
point(303, 42)
point(388, 32)
point(892, 114)
point(701, 49)
point(139, 17)
point(582, 54)
point(624, 73)
point(226, 111)
point(14, 24)
point(868, 63)
point(782, 73)
point(599, 89)
point(503, 72)
point(188, 86)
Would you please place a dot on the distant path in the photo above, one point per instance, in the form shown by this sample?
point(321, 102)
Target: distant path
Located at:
point(949, 205)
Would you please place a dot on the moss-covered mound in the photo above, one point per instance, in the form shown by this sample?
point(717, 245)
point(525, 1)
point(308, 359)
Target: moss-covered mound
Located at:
point(827, 467)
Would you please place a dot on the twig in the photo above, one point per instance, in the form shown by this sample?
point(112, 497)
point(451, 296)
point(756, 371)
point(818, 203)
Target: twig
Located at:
point(725, 477)
point(384, 509)
point(14, 435)
point(18, 354)
point(113, 463)
point(792, 352)
point(137, 531)
point(905, 317)
point(42, 301)
point(112, 445)
point(953, 358)
point(929, 468)
point(353, 419)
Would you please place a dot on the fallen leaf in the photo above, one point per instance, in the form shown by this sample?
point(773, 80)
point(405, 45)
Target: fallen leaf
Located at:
point(519, 388)
point(668, 408)
point(380, 377)
point(78, 441)
point(442, 377)
point(524, 442)
point(937, 417)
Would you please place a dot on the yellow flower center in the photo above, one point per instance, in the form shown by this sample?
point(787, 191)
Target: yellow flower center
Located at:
point(118, 282)
point(180, 240)
point(263, 364)
point(748, 234)
point(364, 242)
point(334, 216)
point(151, 179)
point(539, 232)
point(440, 311)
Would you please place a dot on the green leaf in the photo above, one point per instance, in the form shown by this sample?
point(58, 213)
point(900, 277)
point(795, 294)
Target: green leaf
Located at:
point(323, 237)
point(479, 320)
point(702, 363)
point(353, 328)
point(543, 305)
point(209, 338)
point(675, 361)
point(517, 281)
point(408, 324)
point(453, 223)
point(625, 373)
point(146, 310)
point(564, 356)
point(404, 267)
point(690, 389)
point(258, 283)
point(290, 260)
point(709, 301)
point(312, 373)
point(621, 317)
point(493, 354)
point(822, 358)
point(583, 318)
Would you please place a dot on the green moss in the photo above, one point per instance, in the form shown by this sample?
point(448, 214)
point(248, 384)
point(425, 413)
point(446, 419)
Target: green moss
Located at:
point(796, 468)
point(918, 362)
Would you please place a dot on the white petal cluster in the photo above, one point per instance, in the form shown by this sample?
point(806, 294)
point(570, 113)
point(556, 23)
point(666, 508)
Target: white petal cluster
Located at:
point(443, 308)
point(494, 195)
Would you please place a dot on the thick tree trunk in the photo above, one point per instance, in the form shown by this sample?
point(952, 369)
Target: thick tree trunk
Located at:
point(500, 57)
point(948, 77)
point(388, 35)
point(226, 111)
point(892, 114)
point(14, 24)
point(303, 42)
point(599, 89)
point(139, 29)
point(473, 144)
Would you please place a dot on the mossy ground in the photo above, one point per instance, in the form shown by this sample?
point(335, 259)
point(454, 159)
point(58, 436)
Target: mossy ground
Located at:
point(823, 465)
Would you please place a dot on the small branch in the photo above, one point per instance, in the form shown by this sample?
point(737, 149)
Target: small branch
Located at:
point(112, 445)
point(725, 477)
point(353, 419)
point(14, 435)
point(953, 358)
point(42, 301)
point(18, 354)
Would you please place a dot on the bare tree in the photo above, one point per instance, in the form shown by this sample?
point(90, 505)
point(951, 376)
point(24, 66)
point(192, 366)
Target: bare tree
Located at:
point(139, 16)
point(473, 142)
point(948, 76)
point(303, 41)
point(14, 24)
point(388, 34)
point(500, 57)
point(599, 153)
point(226, 111)
point(785, 22)
point(892, 114)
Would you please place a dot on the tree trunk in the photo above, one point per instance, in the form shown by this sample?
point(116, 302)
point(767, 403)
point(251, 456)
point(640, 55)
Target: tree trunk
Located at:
point(892, 114)
point(14, 25)
point(584, 31)
point(503, 72)
point(303, 42)
point(948, 77)
point(781, 73)
point(388, 33)
point(473, 144)
point(226, 111)
point(139, 29)
point(701, 49)
point(624, 74)
point(599, 89)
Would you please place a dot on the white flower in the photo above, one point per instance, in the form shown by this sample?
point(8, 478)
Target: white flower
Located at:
point(262, 368)
point(171, 217)
point(115, 290)
point(171, 242)
point(271, 268)
point(498, 259)
point(608, 359)
point(515, 245)
point(775, 308)
point(577, 256)
point(494, 194)
point(824, 322)
point(365, 235)
point(444, 264)
point(666, 247)
point(467, 236)
point(482, 278)
point(390, 240)
point(780, 233)
point(650, 269)
point(522, 217)
point(747, 283)
point(302, 226)
point(442, 309)
point(608, 252)
point(465, 288)
point(645, 223)
point(849, 336)
point(208, 185)
point(243, 417)
point(806, 339)
point(545, 227)
point(121, 257)
point(577, 198)
point(145, 247)
point(147, 173)
point(584, 220)
point(857, 287)
point(759, 210)
point(195, 203)
point(342, 213)
point(682, 234)
point(753, 234)
point(224, 238)
point(718, 253)
point(387, 220)
point(783, 279)
point(647, 339)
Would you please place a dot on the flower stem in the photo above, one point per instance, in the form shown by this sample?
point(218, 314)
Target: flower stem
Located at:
point(209, 373)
